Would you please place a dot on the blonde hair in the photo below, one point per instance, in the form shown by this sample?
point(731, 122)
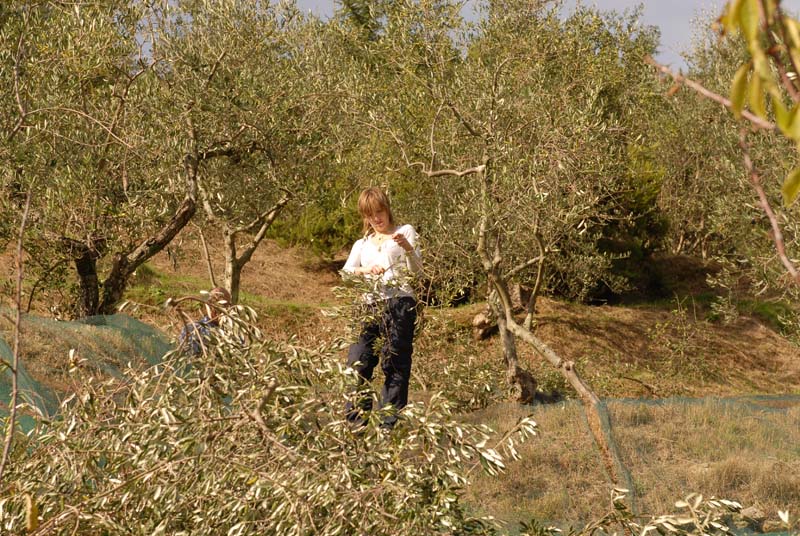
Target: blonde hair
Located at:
point(220, 296)
point(370, 201)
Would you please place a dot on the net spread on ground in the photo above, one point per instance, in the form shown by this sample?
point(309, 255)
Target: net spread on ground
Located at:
point(103, 346)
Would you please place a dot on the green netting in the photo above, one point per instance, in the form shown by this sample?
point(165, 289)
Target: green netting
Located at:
point(744, 448)
point(29, 390)
point(147, 342)
point(105, 346)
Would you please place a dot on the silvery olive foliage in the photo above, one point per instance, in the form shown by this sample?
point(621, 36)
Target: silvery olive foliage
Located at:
point(125, 117)
point(695, 515)
point(87, 129)
point(268, 97)
point(550, 115)
point(248, 437)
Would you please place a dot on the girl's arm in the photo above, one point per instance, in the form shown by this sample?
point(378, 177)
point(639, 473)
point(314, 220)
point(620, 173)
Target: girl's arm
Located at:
point(353, 264)
point(407, 239)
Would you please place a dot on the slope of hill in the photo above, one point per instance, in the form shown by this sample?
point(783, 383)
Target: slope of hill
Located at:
point(652, 352)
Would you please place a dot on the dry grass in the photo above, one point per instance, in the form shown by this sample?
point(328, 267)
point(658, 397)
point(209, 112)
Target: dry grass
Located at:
point(646, 352)
point(739, 449)
point(560, 476)
point(745, 452)
point(625, 352)
point(286, 286)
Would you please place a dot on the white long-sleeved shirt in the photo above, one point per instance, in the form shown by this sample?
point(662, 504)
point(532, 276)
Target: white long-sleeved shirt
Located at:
point(396, 262)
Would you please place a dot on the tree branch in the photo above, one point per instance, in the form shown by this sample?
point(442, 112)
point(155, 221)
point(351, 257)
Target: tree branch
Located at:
point(20, 105)
point(455, 172)
point(463, 121)
point(266, 222)
point(497, 258)
point(433, 129)
point(780, 19)
point(495, 86)
point(207, 256)
point(777, 235)
point(124, 264)
point(680, 79)
point(531, 305)
point(258, 220)
point(47, 271)
point(518, 268)
point(148, 247)
point(118, 114)
point(257, 413)
point(204, 198)
point(567, 368)
point(391, 133)
point(12, 416)
point(109, 129)
point(790, 86)
point(214, 68)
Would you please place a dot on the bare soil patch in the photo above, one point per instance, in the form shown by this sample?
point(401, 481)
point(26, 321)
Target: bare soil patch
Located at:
point(275, 272)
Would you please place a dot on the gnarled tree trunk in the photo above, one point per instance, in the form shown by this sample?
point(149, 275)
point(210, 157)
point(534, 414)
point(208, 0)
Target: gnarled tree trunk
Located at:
point(88, 284)
point(124, 264)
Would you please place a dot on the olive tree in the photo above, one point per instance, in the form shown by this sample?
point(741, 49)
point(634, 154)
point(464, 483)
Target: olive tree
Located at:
point(759, 52)
point(268, 99)
point(511, 154)
point(112, 122)
point(515, 159)
point(79, 141)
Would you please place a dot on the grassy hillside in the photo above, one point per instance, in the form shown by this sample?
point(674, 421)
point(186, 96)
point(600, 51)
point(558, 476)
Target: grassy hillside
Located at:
point(660, 356)
point(673, 346)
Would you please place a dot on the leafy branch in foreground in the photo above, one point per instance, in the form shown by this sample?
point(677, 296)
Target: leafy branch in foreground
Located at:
point(771, 73)
point(14, 365)
point(696, 516)
point(246, 439)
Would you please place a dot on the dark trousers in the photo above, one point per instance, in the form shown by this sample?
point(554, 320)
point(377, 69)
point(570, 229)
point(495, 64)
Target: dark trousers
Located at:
point(393, 321)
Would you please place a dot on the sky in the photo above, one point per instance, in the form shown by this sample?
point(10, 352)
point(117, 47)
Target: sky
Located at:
point(674, 18)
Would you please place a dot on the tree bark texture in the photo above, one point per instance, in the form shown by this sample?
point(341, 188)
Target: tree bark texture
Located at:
point(232, 276)
point(88, 283)
point(124, 264)
point(84, 255)
point(234, 262)
point(523, 381)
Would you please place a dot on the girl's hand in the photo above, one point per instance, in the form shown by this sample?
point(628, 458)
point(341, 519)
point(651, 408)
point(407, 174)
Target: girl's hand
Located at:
point(402, 241)
point(375, 269)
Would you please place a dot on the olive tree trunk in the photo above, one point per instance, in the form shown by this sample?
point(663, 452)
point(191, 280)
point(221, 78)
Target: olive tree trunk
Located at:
point(236, 259)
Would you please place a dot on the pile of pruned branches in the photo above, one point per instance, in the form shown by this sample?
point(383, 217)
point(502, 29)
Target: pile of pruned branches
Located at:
point(247, 438)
